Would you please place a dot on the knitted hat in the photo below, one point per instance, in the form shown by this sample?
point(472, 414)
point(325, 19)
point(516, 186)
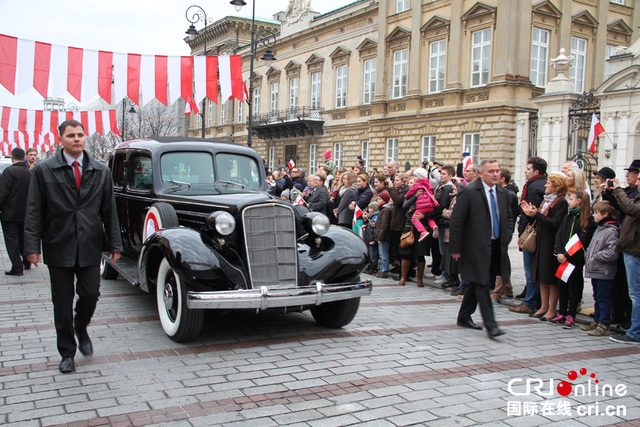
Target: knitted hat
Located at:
point(385, 196)
point(327, 154)
point(421, 173)
point(374, 206)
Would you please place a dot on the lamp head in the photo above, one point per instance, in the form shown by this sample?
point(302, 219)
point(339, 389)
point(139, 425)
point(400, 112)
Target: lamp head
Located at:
point(237, 4)
point(191, 32)
point(268, 57)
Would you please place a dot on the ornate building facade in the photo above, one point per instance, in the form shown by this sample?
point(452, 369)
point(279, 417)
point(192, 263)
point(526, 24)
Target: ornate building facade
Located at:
point(412, 80)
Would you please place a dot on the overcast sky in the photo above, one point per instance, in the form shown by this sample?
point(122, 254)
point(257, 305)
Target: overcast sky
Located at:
point(153, 27)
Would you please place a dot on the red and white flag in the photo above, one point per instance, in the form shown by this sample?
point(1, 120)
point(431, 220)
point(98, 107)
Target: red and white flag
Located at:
point(564, 271)
point(466, 162)
point(573, 245)
point(291, 164)
point(299, 200)
point(594, 132)
point(357, 224)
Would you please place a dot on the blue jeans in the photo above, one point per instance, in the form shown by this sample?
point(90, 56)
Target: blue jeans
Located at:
point(374, 255)
point(441, 246)
point(532, 297)
point(602, 298)
point(632, 263)
point(464, 284)
point(383, 250)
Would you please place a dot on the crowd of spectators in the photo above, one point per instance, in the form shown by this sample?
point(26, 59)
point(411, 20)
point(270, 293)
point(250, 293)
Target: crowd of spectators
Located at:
point(560, 206)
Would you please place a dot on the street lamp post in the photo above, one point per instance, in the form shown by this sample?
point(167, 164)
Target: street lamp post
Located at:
point(198, 14)
point(268, 39)
point(126, 102)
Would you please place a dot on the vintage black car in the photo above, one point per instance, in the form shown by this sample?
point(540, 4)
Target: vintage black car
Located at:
point(200, 231)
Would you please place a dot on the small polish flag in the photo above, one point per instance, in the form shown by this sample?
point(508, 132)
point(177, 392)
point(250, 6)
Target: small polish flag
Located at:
point(291, 164)
point(466, 162)
point(564, 271)
point(299, 200)
point(573, 245)
point(596, 129)
point(358, 222)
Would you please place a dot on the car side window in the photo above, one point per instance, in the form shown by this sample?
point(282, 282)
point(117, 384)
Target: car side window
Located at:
point(117, 169)
point(141, 172)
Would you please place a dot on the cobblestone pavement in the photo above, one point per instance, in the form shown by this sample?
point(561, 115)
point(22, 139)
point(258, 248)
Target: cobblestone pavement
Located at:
point(402, 361)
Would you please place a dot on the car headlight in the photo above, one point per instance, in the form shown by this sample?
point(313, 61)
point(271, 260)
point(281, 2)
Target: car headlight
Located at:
point(223, 222)
point(319, 223)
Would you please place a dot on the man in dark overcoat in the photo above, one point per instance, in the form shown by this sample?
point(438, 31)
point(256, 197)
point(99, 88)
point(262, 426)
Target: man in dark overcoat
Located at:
point(71, 209)
point(14, 187)
point(481, 228)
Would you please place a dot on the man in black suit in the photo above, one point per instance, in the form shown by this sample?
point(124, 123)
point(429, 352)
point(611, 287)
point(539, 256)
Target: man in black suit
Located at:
point(14, 187)
point(319, 196)
point(480, 231)
point(71, 210)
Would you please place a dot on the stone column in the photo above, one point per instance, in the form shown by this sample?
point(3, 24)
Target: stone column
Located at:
point(453, 55)
point(415, 53)
point(624, 153)
point(381, 59)
point(522, 146)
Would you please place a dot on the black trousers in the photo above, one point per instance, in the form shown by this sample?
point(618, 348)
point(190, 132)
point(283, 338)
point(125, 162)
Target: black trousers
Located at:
point(478, 294)
point(87, 287)
point(570, 293)
point(14, 241)
point(621, 304)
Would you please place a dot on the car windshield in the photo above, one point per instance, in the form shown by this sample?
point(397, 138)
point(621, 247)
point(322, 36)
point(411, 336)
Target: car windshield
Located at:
point(198, 168)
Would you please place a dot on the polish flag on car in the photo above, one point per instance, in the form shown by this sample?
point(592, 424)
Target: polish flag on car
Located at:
point(564, 271)
point(573, 245)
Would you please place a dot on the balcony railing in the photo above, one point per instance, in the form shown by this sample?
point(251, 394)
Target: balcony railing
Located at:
point(291, 122)
point(290, 114)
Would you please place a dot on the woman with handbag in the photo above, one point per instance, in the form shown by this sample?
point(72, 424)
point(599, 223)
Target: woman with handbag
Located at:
point(548, 219)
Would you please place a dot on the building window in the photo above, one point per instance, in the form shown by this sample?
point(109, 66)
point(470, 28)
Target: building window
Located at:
point(341, 86)
point(539, 55)
point(607, 65)
point(481, 57)
point(617, 1)
point(369, 79)
point(402, 5)
point(240, 111)
point(337, 154)
point(256, 101)
point(316, 88)
point(392, 149)
point(273, 108)
point(293, 94)
point(313, 158)
point(272, 159)
point(364, 153)
point(428, 148)
point(198, 120)
point(579, 52)
point(223, 112)
point(210, 113)
point(472, 146)
point(400, 63)
point(437, 61)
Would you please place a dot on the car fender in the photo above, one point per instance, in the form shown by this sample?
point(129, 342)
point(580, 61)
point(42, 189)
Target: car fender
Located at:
point(340, 257)
point(195, 257)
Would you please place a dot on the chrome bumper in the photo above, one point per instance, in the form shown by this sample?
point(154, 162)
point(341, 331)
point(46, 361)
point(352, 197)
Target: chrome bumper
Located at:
point(264, 298)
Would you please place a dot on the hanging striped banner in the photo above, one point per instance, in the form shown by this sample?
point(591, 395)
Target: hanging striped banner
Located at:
point(53, 70)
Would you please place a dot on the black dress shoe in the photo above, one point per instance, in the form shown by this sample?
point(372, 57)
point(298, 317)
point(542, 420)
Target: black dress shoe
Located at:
point(13, 273)
point(495, 332)
point(84, 344)
point(67, 365)
point(27, 266)
point(469, 324)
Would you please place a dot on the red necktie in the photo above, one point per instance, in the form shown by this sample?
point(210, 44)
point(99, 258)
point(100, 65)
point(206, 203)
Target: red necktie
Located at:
point(76, 170)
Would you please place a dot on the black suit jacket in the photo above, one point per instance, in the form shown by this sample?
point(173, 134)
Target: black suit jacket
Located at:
point(470, 232)
point(14, 187)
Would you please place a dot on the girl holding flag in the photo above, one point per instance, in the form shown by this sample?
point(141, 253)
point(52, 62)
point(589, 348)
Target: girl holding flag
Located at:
point(574, 234)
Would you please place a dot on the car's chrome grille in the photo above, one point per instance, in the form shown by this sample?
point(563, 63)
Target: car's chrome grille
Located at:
point(270, 238)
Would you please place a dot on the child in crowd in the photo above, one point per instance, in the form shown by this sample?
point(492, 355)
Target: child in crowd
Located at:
point(425, 203)
point(601, 265)
point(383, 232)
point(370, 218)
point(578, 221)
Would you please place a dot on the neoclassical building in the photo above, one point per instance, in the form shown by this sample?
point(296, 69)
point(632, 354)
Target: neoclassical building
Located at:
point(412, 79)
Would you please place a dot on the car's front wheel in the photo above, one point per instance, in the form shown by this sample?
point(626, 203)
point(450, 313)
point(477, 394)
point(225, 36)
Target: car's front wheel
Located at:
point(178, 321)
point(336, 314)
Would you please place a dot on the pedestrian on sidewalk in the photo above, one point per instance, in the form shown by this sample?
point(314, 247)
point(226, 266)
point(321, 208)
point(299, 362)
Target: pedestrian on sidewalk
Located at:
point(480, 231)
point(71, 211)
point(14, 187)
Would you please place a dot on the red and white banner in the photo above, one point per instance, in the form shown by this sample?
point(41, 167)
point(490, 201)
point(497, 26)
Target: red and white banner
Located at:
point(53, 70)
point(564, 271)
point(594, 132)
point(573, 245)
point(291, 164)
